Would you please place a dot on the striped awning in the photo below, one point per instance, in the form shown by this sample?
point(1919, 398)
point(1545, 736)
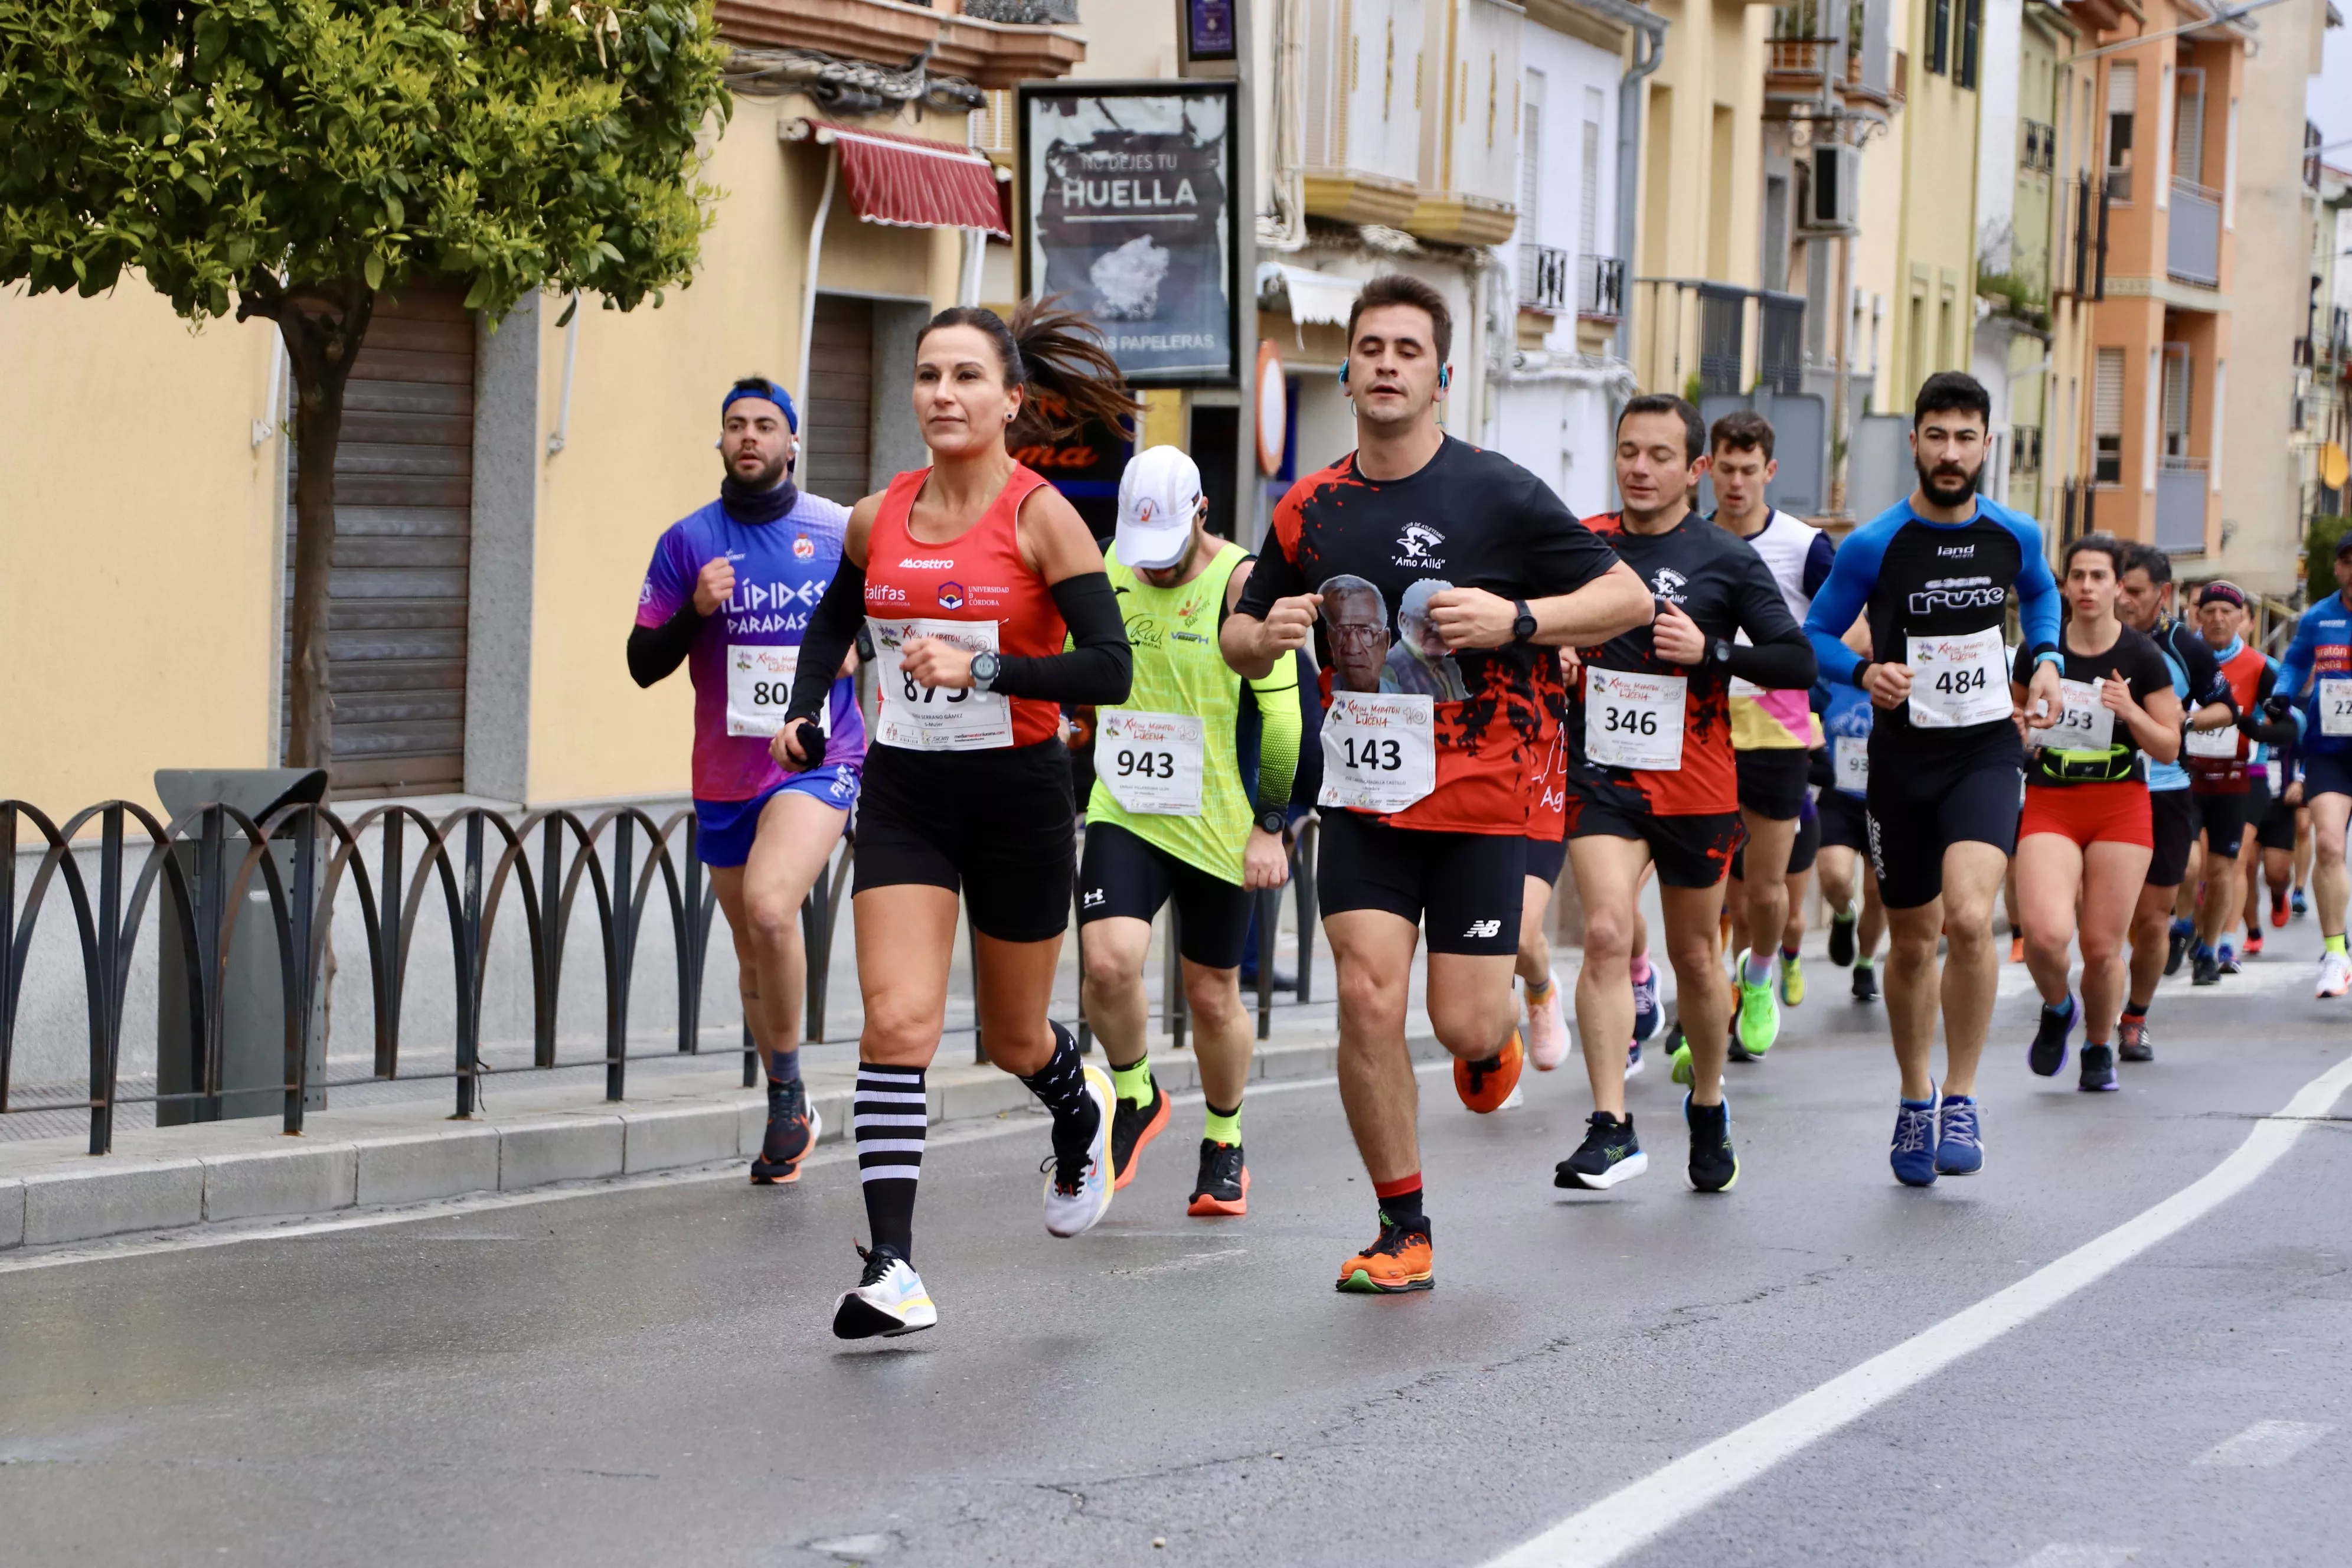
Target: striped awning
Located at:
point(909, 183)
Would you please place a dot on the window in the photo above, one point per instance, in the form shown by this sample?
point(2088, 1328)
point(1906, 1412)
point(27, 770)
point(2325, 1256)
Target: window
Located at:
point(1964, 43)
point(2122, 92)
point(1939, 34)
point(1588, 209)
point(2176, 403)
point(1776, 232)
point(2188, 127)
point(2108, 418)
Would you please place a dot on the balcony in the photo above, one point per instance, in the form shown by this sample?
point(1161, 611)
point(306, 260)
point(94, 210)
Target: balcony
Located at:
point(1544, 279)
point(986, 52)
point(2192, 248)
point(1793, 69)
point(2180, 489)
point(1599, 288)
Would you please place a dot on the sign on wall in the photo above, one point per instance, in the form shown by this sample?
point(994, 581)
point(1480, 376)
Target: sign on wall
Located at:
point(1126, 210)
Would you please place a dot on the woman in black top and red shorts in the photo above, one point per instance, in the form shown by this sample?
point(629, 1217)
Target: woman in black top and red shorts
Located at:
point(970, 575)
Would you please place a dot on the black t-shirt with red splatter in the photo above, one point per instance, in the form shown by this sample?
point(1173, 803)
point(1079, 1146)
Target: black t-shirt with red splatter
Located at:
point(1377, 551)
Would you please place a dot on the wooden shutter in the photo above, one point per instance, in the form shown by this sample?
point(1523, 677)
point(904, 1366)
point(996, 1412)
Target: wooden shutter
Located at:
point(404, 528)
point(2107, 394)
point(839, 419)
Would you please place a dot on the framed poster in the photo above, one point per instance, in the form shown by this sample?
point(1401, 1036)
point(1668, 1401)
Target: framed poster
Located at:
point(1128, 211)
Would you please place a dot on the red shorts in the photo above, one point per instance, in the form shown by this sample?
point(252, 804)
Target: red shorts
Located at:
point(2090, 814)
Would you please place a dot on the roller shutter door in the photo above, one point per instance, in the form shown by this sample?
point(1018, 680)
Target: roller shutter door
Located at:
point(404, 505)
point(839, 419)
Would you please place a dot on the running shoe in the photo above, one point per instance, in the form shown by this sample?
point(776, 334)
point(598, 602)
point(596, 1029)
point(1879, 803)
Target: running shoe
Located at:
point(1913, 1153)
point(2098, 1075)
point(2204, 968)
point(1546, 1031)
point(1486, 1087)
point(2278, 911)
point(2253, 948)
point(1841, 939)
point(889, 1300)
point(1678, 1057)
point(1865, 983)
point(2132, 1041)
point(1645, 1006)
point(1793, 981)
point(1078, 1185)
point(2048, 1052)
point(794, 1128)
point(1398, 1261)
point(1131, 1128)
point(1959, 1138)
point(2016, 948)
point(2182, 934)
point(2301, 905)
point(2226, 961)
point(1608, 1154)
point(1221, 1189)
point(1714, 1168)
point(2334, 975)
point(1633, 1060)
point(1759, 1011)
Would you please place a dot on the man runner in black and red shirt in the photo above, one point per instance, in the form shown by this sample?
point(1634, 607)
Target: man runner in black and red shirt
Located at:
point(1430, 744)
point(1652, 781)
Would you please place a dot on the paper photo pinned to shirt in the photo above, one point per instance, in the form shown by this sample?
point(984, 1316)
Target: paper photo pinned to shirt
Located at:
point(1356, 627)
point(1419, 663)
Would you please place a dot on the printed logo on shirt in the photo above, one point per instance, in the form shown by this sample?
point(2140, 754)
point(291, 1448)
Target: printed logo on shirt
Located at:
point(645, 592)
point(927, 563)
point(951, 596)
point(1958, 594)
point(885, 593)
point(1668, 584)
point(1417, 541)
point(803, 548)
point(1956, 552)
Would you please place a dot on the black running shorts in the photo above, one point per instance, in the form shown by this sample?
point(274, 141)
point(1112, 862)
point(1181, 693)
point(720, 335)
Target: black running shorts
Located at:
point(2275, 821)
point(1464, 890)
point(1688, 851)
point(2174, 821)
point(1802, 849)
point(998, 826)
point(1122, 874)
point(1923, 800)
point(2325, 773)
point(2221, 818)
point(1545, 858)
point(1845, 823)
point(1772, 780)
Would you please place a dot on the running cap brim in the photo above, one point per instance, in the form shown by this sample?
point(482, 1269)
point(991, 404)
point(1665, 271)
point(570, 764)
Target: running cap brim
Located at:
point(770, 392)
point(1159, 496)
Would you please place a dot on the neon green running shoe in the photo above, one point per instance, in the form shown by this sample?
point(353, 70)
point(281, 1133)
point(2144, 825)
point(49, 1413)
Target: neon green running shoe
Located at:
point(1792, 981)
point(1759, 1012)
point(1678, 1060)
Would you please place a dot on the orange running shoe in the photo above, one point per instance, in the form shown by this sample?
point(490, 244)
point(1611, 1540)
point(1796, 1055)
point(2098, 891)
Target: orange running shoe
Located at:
point(1222, 1190)
point(1485, 1086)
point(1397, 1262)
point(2016, 949)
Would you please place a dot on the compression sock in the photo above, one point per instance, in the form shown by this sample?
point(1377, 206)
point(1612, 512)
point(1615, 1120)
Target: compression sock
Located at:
point(1640, 968)
point(888, 1115)
point(1862, 963)
point(1134, 1082)
point(2333, 944)
point(1401, 1202)
point(1061, 1087)
point(1538, 991)
point(1223, 1126)
point(1758, 969)
point(1788, 956)
point(2135, 1013)
point(784, 1067)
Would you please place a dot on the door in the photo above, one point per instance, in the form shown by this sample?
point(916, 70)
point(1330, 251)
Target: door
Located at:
point(839, 420)
point(404, 527)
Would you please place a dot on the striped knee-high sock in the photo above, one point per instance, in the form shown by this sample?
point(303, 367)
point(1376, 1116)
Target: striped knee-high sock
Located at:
point(888, 1116)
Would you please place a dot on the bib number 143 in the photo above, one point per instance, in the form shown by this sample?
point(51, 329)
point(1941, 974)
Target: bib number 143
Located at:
point(1379, 752)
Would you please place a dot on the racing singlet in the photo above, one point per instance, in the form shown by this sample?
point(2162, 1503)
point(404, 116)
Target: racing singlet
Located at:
point(741, 662)
point(2218, 760)
point(975, 591)
point(2321, 657)
point(1798, 556)
point(1845, 730)
point(2196, 680)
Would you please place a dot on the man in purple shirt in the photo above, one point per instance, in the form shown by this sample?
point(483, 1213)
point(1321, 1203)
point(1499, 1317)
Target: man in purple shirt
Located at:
point(729, 593)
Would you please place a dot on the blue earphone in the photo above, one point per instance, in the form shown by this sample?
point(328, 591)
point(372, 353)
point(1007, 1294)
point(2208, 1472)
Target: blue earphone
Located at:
point(1444, 376)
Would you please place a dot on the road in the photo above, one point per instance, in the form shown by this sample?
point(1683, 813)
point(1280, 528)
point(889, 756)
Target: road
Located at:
point(646, 1375)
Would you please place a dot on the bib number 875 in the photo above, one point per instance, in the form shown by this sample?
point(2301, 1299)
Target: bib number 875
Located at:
point(1373, 754)
point(1146, 764)
point(917, 692)
point(1630, 721)
point(1960, 682)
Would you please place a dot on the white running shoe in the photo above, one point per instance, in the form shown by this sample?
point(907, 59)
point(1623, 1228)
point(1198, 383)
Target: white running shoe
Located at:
point(2334, 975)
point(1546, 1031)
point(1074, 1210)
point(889, 1300)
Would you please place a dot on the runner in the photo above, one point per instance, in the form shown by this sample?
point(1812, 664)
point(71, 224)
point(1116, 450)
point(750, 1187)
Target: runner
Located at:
point(2320, 660)
point(2088, 834)
point(2276, 834)
point(2143, 601)
point(1652, 781)
point(1934, 573)
point(727, 595)
point(2228, 786)
point(1168, 817)
point(1546, 1029)
point(1772, 733)
point(970, 573)
point(1842, 772)
point(1425, 800)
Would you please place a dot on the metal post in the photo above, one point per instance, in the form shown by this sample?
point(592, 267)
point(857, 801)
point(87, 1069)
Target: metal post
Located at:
point(1078, 937)
point(302, 982)
point(1269, 922)
point(386, 956)
point(105, 1013)
point(550, 954)
point(971, 949)
point(212, 907)
point(622, 950)
point(1302, 877)
point(466, 939)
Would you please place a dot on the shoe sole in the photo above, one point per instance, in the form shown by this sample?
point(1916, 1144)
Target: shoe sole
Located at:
point(2035, 1058)
point(784, 1173)
point(2110, 1087)
point(1734, 1179)
point(1152, 1129)
point(858, 1318)
point(1929, 1180)
point(1505, 1099)
point(1105, 1102)
point(2135, 1055)
point(1206, 1207)
point(1361, 1283)
point(1624, 1170)
point(1959, 1170)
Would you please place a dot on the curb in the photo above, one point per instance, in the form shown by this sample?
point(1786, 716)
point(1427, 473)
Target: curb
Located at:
point(170, 1178)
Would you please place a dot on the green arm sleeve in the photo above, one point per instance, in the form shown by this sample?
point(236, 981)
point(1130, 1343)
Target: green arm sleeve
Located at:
point(1276, 696)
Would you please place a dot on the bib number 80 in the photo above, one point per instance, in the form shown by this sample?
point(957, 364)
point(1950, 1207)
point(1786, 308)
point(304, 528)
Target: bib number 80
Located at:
point(1373, 754)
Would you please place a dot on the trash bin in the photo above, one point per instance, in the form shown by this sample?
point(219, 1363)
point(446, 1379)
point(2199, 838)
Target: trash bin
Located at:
point(253, 1030)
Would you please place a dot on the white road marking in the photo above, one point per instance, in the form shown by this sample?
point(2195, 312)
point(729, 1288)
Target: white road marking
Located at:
point(1637, 1514)
point(2281, 976)
point(2264, 1443)
point(2060, 1554)
point(1176, 1264)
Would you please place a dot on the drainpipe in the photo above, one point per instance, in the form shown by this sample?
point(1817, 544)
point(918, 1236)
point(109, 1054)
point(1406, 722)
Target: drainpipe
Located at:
point(808, 289)
point(1649, 53)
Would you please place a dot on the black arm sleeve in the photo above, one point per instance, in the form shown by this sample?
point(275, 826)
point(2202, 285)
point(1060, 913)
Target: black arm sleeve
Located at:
point(655, 651)
point(1099, 669)
point(2255, 722)
point(839, 616)
point(1784, 664)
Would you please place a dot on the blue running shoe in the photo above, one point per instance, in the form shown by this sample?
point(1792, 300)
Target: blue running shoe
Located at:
point(2056, 1030)
point(1913, 1154)
point(1960, 1143)
point(2298, 903)
point(1645, 1006)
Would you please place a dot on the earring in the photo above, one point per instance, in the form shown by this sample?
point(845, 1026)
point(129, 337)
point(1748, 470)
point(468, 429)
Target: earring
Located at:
point(1009, 414)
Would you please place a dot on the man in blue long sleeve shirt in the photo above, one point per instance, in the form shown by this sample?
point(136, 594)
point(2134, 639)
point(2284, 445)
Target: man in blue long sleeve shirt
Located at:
point(2316, 677)
point(1933, 575)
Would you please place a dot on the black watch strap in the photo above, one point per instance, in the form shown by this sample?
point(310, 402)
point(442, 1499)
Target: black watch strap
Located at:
point(1523, 621)
point(1273, 820)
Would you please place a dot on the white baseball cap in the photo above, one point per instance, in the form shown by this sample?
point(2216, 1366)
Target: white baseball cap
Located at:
point(1158, 496)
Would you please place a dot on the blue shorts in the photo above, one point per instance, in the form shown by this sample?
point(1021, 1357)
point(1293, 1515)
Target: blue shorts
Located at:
point(2325, 773)
point(724, 828)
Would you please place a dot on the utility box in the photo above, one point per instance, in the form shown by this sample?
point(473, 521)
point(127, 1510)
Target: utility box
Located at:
point(253, 1028)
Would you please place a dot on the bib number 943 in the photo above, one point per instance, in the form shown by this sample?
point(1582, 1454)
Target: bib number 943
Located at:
point(1150, 763)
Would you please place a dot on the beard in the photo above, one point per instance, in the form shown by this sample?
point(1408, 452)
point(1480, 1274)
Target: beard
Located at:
point(1947, 485)
point(770, 474)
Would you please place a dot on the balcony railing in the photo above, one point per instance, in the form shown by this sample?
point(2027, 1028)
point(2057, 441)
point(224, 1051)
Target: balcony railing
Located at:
point(2180, 488)
point(2192, 250)
point(1600, 287)
point(1544, 279)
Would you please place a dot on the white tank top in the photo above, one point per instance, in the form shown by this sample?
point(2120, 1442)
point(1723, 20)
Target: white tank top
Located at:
point(1785, 544)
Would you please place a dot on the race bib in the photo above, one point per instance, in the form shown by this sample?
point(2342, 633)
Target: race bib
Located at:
point(2085, 724)
point(2220, 744)
point(1852, 755)
point(759, 686)
point(922, 717)
point(1150, 763)
point(2335, 706)
point(1634, 721)
point(1957, 681)
point(1379, 752)
point(2274, 772)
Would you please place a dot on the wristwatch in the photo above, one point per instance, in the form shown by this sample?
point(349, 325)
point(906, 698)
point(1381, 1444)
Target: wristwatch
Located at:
point(1523, 625)
point(1721, 653)
point(1272, 819)
point(985, 667)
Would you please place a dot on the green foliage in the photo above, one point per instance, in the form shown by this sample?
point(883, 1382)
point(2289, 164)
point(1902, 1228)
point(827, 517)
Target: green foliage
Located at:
point(1693, 389)
point(2017, 295)
point(218, 146)
point(2319, 556)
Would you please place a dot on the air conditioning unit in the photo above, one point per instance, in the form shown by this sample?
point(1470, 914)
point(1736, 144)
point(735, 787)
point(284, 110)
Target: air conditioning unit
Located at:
point(1834, 198)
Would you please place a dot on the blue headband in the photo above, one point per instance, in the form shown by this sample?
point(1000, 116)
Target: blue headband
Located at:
point(772, 393)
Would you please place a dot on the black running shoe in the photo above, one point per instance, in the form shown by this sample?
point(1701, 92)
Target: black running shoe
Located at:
point(1865, 983)
point(2048, 1052)
point(2098, 1070)
point(1608, 1154)
point(2134, 1043)
point(1841, 939)
point(794, 1127)
point(1222, 1190)
point(2204, 967)
point(1714, 1168)
point(1132, 1128)
point(2173, 953)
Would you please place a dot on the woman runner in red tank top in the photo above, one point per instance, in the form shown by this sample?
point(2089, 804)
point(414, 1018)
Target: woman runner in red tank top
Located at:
point(969, 575)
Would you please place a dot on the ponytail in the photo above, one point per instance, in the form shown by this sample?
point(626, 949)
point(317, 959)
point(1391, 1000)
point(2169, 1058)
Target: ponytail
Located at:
point(1059, 357)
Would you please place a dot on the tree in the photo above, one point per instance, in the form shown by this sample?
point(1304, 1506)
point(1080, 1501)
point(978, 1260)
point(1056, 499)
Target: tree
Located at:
point(291, 159)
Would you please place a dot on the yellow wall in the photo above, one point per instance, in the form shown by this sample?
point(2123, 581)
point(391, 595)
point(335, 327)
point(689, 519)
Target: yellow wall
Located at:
point(139, 536)
point(1937, 261)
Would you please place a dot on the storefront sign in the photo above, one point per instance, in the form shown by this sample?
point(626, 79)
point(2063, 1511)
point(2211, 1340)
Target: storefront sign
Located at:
point(1209, 29)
